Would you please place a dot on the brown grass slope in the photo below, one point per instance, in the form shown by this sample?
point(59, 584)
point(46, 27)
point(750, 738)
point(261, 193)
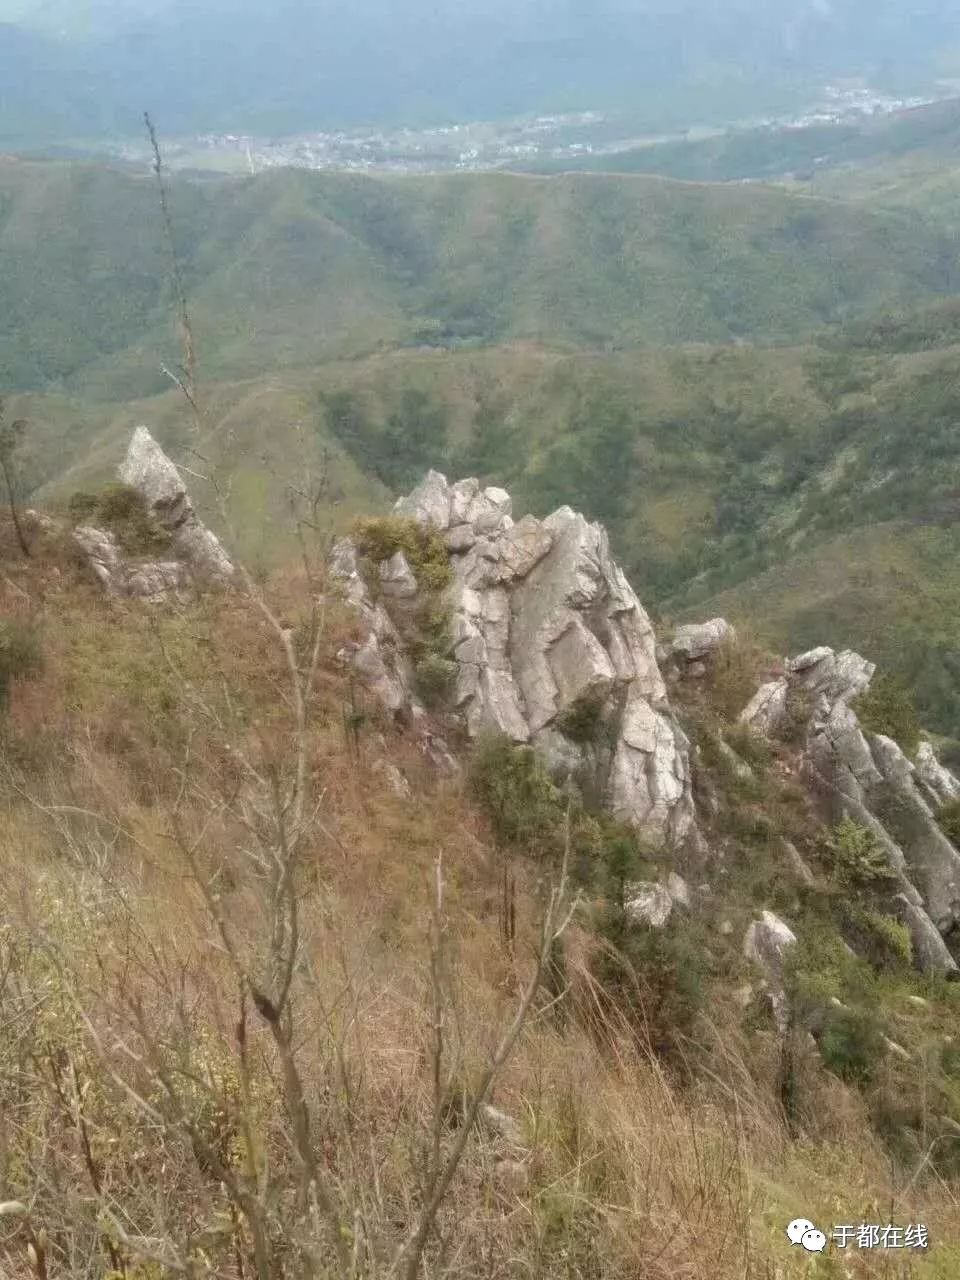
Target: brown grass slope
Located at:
point(147, 1123)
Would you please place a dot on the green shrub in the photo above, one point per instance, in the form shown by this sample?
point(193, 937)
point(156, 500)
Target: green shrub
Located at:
point(733, 677)
point(379, 538)
point(856, 856)
point(512, 784)
point(434, 678)
point(793, 729)
point(20, 654)
point(749, 746)
point(851, 1045)
point(122, 511)
point(583, 720)
point(887, 707)
point(658, 976)
point(881, 938)
point(820, 968)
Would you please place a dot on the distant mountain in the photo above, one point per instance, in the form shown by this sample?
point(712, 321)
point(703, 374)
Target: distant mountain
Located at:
point(304, 65)
point(293, 267)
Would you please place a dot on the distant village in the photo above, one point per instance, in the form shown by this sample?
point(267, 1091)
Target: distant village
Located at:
point(489, 145)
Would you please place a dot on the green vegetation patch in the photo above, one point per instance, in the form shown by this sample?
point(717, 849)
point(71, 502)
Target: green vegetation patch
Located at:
point(887, 707)
point(381, 537)
point(122, 511)
point(856, 857)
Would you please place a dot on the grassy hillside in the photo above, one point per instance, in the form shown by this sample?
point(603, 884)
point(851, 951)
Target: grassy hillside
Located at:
point(717, 470)
point(294, 268)
point(538, 333)
point(161, 1116)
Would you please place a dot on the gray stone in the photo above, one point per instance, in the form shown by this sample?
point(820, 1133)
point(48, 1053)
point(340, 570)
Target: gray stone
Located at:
point(648, 903)
point(796, 863)
point(429, 503)
point(804, 661)
point(699, 639)
point(739, 767)
point(933, 861)
point(679, 891)
point(397, 579)
point(897, 1050)
point(150, 580)
point(767, 943)
point(564, 759)
point(460, 538)
point(941, 784)
point(836, 676)
point(502, 1125)
point(542, 620)
point(767, 709)
point(103, 557)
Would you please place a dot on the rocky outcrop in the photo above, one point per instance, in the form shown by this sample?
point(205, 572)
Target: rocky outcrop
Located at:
point(700, 639)
point(867, 777)
point(196, 555)
point(150, 580)
point(545, 629)
point(767, 942)
point(377, 658)
point(147, 469)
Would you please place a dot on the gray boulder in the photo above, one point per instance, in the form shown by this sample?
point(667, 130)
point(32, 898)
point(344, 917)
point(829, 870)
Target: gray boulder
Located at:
point(767, 943)
point(648, 903)
point(767, 709)
point(699, 639)
point(836, 676)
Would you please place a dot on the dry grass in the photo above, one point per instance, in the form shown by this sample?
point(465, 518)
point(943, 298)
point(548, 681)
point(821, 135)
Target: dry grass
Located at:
point(137, 1079)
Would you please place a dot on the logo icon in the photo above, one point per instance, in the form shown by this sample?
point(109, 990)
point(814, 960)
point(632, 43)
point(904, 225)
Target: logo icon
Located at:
point(803, 1232)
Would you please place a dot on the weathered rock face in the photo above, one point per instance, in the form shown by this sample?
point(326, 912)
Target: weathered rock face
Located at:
point(197, 555)
point(767, 709)
point(940, 783)
point(147, 469)
point(545, 623)
point(767, 943)
point(152, 580)
point(377, 658)
point(868, 778)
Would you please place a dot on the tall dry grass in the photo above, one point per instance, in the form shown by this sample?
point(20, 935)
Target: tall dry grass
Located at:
point(147, 1123)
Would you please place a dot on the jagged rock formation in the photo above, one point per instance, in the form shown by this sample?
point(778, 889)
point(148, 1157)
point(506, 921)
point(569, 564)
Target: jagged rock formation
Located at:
point(545, 629)
point(867, 777)
point(197, 555)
